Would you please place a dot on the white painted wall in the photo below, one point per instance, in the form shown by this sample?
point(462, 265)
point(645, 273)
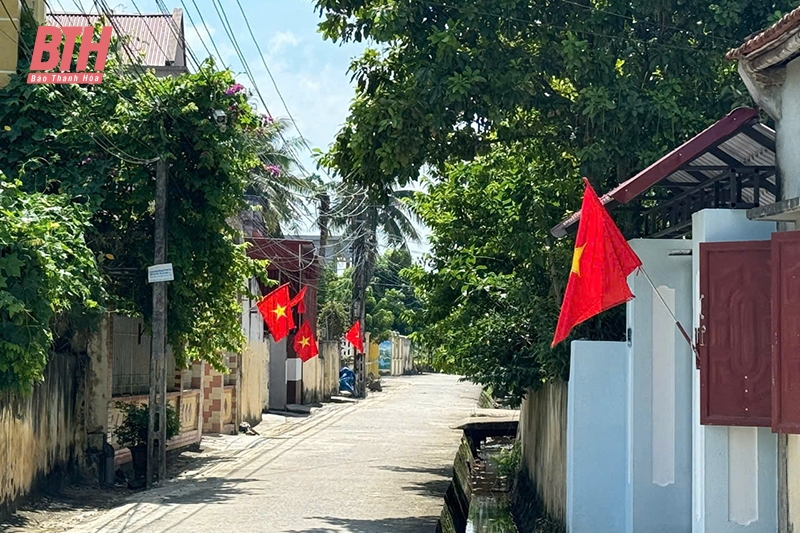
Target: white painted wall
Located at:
point(788, 132)
point(788, 148)
point(596, 442)
point(660, 363)
point(735, 469)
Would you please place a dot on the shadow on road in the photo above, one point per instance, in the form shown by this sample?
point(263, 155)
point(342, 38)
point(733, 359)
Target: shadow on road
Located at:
point(58, 510)
point(433, 471)
point(431, 488)
point(205, 490)
point(424, 524)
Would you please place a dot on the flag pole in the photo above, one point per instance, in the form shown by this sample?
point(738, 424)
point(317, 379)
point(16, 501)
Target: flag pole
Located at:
point(663, 301)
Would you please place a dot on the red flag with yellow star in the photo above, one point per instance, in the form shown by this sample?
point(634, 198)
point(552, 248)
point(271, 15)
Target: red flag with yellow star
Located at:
point(299, 301)
point(601, 263)
point(305, 346)
point(353, 336)
point(277, 312)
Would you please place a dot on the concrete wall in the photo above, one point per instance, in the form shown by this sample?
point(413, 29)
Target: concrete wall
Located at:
point(329, 351)
point(42, 434)
point(543, 431)
point(596, 437)
point(735, 484)
point(254, 364)
point(277, 374)
point(8, 39)
point(788, 138)
point(254, 392)
point(313, 379)
point(788, 132)
point(660, 363)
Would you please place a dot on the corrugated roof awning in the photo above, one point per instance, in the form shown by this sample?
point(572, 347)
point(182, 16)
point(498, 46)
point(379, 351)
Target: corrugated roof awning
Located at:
point(154, 38)
point(731, 164)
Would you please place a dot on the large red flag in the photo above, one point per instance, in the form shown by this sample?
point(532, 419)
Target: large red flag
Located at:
point(305, 346)
point(601, 263)
point(353, 336)
point(277, 312)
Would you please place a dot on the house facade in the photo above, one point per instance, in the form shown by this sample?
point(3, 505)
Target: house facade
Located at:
point(11, 11)
point(666, 433)
point(293, 262)
point(769, 64)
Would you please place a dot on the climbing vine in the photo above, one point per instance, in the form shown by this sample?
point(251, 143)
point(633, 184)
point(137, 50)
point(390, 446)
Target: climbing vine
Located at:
point(96, 147)
point(46, 272)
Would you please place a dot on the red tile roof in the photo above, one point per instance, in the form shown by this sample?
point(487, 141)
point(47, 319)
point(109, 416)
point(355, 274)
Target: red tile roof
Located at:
point(776, 32)
point(153, 37)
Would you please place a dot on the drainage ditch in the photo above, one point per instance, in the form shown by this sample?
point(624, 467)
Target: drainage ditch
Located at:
point(478, 499)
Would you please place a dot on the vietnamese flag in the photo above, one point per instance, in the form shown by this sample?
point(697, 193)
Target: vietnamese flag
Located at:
point(601, 263)
point(353, 336)
point(299, 301)
point(305, 346)
point(277, 312)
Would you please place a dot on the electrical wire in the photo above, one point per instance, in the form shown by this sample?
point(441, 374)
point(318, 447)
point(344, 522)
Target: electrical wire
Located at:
point(269, 73)
point(207, 29)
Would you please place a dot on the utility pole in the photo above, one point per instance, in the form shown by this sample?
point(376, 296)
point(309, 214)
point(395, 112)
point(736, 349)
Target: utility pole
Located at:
point(364, 248)
point(158, 348)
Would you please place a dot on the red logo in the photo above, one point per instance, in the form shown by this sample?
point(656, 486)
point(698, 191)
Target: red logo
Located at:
point(69, 36)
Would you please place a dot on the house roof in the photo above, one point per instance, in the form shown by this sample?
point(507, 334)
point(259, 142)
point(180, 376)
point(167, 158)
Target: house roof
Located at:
point(737, 148)
point(153, 36)
point(773, 36)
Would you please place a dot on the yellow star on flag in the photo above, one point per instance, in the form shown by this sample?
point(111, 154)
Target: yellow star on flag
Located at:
point(279, 311)
point(305, 341)
point(576, 259)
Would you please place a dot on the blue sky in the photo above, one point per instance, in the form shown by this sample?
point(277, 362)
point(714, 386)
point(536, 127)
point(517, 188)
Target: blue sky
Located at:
point(311, 73)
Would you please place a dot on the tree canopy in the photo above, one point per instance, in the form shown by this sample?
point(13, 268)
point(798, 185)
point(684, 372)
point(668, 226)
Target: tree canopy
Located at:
point(96, 147)
point(618, 81)
point(505, 104)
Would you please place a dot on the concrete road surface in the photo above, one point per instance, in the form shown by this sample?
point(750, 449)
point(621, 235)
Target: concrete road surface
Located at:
point(378, 466)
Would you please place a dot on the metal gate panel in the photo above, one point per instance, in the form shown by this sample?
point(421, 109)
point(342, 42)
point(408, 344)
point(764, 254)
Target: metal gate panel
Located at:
point(734, 334)
point(786, 326)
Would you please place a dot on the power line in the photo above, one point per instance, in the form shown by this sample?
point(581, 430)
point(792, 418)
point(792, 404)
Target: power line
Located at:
point(269, 73)
point(210, 37)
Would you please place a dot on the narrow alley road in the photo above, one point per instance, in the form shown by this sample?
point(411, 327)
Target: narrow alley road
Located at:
point(379, 466)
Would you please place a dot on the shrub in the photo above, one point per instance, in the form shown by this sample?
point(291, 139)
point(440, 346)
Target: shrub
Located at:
point(133, 430)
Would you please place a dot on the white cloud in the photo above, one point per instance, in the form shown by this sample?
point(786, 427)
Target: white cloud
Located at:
point(282, 41)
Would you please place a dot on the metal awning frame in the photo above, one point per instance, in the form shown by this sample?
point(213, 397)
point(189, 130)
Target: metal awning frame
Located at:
point(663, 196)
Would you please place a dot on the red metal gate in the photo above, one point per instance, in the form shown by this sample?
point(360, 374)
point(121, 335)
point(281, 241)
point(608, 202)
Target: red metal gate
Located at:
point(734, 334)
point(786, 326)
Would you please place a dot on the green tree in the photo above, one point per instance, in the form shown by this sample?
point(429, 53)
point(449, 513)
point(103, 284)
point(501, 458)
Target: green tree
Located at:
point(390, 301)
point(48, 280)
point(97, 145)
point(505, 104)
point(617, 83)
point(365, 217)
point(492, 284)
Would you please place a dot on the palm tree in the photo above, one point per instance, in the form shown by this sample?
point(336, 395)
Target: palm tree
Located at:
point(277, 188)
point(365, 218)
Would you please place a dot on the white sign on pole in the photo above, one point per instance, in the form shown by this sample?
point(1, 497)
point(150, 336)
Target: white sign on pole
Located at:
point(159, 273)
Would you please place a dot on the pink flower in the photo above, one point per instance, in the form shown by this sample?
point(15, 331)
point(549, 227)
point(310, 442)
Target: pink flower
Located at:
point(275, 170)
point(236, 88)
